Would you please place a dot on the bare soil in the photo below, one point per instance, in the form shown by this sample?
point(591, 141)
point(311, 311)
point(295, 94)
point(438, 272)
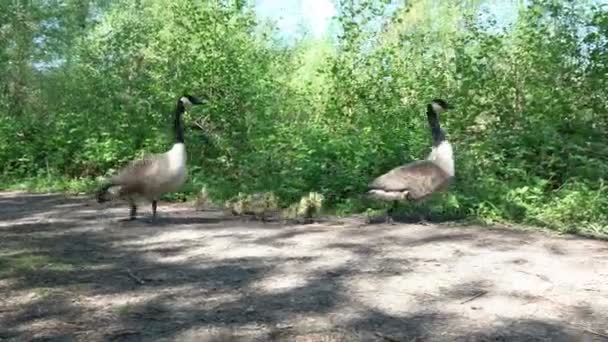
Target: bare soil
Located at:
point(69, 271)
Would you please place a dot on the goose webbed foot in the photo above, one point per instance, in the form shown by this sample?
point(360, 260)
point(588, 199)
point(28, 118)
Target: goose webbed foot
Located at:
point(132, 214)
point(154, 217)
point(423, 220)
point(154, 204)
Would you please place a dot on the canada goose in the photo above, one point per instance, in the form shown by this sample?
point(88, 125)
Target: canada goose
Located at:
point(155, 174)
point(417, 180)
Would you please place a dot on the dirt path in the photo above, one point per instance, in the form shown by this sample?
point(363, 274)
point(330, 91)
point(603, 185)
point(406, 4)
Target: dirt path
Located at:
point(70, 272)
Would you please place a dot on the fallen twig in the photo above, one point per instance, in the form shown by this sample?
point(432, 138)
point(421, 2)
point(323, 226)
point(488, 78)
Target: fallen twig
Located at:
point(388, 338)
point(136, 278)
point(542, 277)
point(118, 334)
point(417, 337)
point(474, 297)
point(593, 332)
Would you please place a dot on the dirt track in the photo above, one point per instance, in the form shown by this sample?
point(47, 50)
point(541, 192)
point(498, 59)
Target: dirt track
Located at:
point(70, 272)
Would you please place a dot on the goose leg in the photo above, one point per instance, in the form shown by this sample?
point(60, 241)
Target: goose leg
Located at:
point(154, 203)
point(389, 213)
point(132, 213)
point(423, 215)
point(390, 220)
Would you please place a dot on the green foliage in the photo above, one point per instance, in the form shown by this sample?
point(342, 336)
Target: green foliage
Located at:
point(529, 131)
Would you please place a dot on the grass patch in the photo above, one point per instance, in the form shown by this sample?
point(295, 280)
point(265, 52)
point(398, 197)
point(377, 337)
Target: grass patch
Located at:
point(575, 208)
point(23, 264)
point(49, 184)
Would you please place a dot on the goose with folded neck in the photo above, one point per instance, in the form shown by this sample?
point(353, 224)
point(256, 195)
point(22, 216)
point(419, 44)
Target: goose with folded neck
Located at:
point(418, 180)
point(154, 175)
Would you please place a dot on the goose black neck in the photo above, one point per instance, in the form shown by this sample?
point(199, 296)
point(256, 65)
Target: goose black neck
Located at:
point(179, 129)
point(436, 131)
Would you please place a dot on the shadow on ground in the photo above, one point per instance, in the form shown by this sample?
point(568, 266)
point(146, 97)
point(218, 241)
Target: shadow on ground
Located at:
point(70, 272)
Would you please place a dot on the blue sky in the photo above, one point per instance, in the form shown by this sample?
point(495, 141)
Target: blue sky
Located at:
point(292, 15)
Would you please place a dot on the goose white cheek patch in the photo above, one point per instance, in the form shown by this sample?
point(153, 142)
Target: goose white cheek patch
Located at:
point(186, 102)
point(437, 108)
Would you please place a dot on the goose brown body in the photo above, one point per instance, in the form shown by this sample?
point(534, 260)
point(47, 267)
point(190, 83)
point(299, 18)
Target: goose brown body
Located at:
point(151, 176)
point(414, 181)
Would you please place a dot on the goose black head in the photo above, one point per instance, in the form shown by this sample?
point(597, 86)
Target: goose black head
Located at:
point(440, 106)
point(188, 101)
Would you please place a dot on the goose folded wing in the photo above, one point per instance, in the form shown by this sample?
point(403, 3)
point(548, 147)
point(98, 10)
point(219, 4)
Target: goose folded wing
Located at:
point(419, 179)
point(137, 170)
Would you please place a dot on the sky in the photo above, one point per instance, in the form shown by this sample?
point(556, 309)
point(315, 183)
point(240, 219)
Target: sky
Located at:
point(290, 15)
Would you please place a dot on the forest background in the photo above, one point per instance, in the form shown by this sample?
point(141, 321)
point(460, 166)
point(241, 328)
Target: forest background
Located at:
point(86, 85)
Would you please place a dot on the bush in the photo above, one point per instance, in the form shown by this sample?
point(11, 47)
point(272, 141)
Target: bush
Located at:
point(329, 115)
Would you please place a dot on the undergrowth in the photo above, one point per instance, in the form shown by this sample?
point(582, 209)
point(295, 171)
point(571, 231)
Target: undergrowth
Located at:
point(530, 127)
